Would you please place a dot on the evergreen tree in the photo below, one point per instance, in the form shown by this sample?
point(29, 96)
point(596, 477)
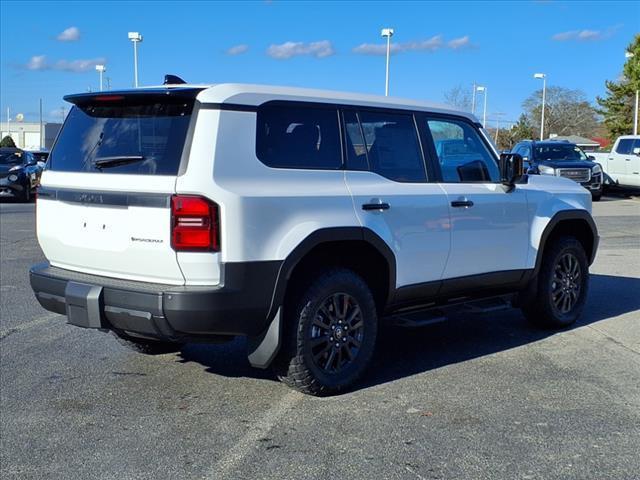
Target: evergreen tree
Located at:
point(7, 142)
point(523, 130)
point(617, 107)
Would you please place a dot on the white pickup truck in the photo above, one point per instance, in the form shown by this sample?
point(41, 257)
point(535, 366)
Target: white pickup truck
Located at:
point(622, 164)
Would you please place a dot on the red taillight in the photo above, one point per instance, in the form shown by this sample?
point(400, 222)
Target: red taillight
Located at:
point(108, 98)
point(194, 224)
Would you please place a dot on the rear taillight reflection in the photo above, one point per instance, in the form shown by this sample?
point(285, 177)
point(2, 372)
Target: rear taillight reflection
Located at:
point(194, 224)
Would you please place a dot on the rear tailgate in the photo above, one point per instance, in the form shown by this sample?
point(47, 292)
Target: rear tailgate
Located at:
point(104, 206)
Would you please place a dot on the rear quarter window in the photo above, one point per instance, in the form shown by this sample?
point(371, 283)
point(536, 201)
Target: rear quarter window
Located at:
point(305, 137)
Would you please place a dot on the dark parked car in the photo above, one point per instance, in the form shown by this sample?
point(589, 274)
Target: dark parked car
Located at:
point(40, 155)
point(563, 159)
point(19, 174)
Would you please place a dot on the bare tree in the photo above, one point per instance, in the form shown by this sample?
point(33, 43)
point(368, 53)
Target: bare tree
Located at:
point(567, 112)
point(458, 97)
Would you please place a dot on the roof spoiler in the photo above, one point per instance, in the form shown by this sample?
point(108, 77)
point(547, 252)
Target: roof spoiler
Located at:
point(141, 95)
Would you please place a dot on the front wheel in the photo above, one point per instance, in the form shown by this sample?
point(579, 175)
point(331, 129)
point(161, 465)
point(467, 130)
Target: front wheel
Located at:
point(562, 285)
point(26, 194)
point(330, 334)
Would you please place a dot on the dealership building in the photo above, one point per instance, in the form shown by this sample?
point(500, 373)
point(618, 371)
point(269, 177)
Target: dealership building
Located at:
point(30, 135)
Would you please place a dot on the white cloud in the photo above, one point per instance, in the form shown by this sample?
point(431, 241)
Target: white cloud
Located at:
point(37, 62)
point(429, 45)
point(40, 63)
point(286, 50)
point(238, 49)
point(585, 35)
point(458, 43)
point(71, 34)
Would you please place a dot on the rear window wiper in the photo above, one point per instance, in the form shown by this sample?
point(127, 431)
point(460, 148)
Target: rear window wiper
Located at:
point(109, 162)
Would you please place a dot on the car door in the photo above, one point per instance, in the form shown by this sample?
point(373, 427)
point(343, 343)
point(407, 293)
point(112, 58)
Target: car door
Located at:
point(618, 159)
point(386, 174)
point(489, 222)
point(632, 165)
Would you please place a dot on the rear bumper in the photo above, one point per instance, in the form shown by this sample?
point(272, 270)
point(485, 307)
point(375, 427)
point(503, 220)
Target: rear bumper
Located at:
point(239, 306)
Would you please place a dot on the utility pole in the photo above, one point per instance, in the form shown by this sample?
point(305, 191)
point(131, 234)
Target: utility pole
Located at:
point(473, 99)
point(498, 115)
point(41, 127)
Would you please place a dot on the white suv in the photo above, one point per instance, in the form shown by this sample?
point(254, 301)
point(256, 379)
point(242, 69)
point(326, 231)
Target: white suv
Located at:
point(301, 219)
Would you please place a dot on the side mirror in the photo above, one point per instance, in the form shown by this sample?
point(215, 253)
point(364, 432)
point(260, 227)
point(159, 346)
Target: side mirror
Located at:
point(511, 168)
point(592, 158)
point(636, 151)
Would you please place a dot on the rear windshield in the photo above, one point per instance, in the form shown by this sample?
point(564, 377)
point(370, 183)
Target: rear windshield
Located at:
point(144, 139)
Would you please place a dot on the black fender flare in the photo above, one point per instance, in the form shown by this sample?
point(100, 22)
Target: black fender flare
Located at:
point(264, 347)
point(558, 218)
point(326, 235)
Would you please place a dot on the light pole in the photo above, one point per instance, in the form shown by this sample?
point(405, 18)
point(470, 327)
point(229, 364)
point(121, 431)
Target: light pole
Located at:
point(101, 69)
point(387, 32)
point(482, 89)
point(635, 115)
point(136, 38)
point(543, 76)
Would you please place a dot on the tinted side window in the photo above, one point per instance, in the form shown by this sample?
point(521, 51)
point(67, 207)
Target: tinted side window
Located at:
point(625, 146)
point(354, 142)
point(392, 146)
point(462, 155)
point(298, 137)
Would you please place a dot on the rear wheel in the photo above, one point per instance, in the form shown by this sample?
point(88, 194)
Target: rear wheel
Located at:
point(330, 334)
point(145, 346)
point(562, 285)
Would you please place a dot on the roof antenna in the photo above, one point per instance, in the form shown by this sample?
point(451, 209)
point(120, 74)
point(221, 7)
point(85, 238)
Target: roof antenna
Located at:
point(173, 80)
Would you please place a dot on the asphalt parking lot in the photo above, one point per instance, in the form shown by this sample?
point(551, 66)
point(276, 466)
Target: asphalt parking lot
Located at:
point(479, 397)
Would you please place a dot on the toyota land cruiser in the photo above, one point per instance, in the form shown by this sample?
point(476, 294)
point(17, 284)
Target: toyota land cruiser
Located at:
point(301, 219)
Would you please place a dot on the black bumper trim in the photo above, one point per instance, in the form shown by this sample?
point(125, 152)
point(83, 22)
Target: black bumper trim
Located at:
point(238, 306)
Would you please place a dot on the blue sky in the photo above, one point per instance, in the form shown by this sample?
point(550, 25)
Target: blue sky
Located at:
point(49, 49)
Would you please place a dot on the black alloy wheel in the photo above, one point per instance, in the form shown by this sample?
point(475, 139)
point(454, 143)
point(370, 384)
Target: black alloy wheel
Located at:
point(336, 333)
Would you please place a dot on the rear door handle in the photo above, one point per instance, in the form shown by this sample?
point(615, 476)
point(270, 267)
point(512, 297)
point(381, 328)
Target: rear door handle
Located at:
point(462, 203)
point(376, 206)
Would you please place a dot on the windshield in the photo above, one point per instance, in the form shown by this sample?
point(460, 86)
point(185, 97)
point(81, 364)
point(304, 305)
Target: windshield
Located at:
point(153, 133)
point(10, 158)
point(568, 153)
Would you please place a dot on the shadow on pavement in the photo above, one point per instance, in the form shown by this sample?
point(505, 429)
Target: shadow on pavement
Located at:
point(612, 193)
point(405, 352)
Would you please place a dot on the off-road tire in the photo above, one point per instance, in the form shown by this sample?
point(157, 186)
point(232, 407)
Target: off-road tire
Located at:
point(25, 197)
point(296, 364)
point(541, 308)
